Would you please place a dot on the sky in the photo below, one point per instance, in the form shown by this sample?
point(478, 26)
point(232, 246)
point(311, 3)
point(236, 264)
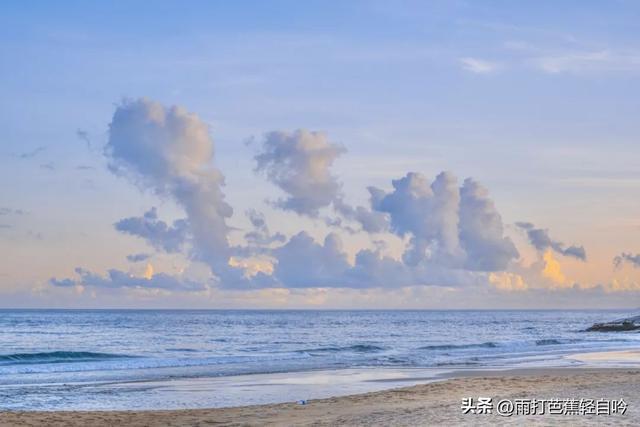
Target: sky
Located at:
point(362, 154)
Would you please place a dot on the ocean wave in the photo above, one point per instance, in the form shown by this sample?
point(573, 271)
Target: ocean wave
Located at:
point(456, 347)
point(57, 357)
point(105, 363)
point(458, 363)
point(553, 341)
point(549, 342)
point(356, 348)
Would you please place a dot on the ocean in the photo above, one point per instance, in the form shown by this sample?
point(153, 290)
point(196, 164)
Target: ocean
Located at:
point(161, 359)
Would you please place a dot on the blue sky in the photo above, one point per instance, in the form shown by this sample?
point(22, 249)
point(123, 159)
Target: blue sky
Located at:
point(536, 101)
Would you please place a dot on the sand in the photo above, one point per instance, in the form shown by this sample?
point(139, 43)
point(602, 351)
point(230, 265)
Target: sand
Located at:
point(609, 358)
point(436, 403)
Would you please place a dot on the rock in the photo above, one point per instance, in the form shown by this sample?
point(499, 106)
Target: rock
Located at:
point(628, 324)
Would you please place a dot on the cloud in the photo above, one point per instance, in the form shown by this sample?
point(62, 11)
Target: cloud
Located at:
point(148, 272)
point(169, 151)
point(428, 213)
point(260, 235)
point(481, 230)
point(451, 233)
point(33, 153)
point(587, 60)
point(455, 235)
point(83, 135)
point(627, 257)
point(11, 211)
point(478, 66)
point(64, 283)
point(299, 164)
point(569, 59)
point(252, 267)
point(160, 235)
point(458, 227)
point(138, 257)
point(119, 279)
point(48, 166)
point(508, 282)
point(541, 240)
point(304, 263)
point(621, 285)
point(575, 252)
point(370, 220)
point(552, 269)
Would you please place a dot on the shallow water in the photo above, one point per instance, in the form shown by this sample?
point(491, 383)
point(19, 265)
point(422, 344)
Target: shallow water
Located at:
point(54, 359)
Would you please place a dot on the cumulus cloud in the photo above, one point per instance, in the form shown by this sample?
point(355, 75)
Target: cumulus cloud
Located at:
point(169, 150)
point(371, 221)
point(63, 283)
point(508, 282)
point(260, 235)
point(138, 257)
point(159, 234)
point(552, 269)
point(428, 213)
point(252, 267)
point(541, 240)
point(455, 234)
point(481, 230)
point(458, 227)
point(304, 263)
point(299, 164)
point(451, 233)
point(119, 279)
point(627, 258)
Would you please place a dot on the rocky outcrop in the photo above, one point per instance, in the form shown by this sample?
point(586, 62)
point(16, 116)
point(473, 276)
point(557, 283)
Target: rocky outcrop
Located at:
point(628, 324)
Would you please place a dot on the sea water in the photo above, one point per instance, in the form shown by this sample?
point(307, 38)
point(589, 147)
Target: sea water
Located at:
point(119, 359)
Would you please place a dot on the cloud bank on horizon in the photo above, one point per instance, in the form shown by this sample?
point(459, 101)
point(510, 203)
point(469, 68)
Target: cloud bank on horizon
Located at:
point(451, 233)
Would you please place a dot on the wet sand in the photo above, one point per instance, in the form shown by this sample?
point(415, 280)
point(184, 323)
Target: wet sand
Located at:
point(435, 403)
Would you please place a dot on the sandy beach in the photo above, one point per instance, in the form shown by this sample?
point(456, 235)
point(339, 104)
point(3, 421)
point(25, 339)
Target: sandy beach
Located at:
point(426, 404)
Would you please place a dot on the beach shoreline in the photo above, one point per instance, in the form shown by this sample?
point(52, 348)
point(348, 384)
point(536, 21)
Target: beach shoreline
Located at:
point(436, 402)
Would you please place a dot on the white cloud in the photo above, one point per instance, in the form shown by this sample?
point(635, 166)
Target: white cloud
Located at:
point(449, 235)
point(541, 240)
point(626, 257)
point(120, 279)
point(169, 150)
point(508, 282)
point(454, 226)
point(569, 58)
point(582, 61)
point(478, 66)
point(159, 234)
point(299, 164)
